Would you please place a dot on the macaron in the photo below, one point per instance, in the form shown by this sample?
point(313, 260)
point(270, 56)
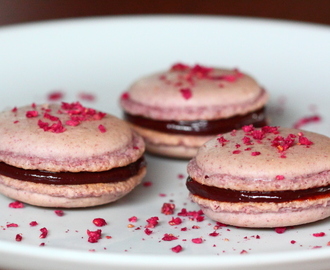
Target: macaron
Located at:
point(262, 177)
point(67, 155)
point(179, 109)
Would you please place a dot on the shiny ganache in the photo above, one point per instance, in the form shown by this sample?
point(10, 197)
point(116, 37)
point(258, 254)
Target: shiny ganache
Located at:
point(73, 178)
point(229, 195)
point(200, 127)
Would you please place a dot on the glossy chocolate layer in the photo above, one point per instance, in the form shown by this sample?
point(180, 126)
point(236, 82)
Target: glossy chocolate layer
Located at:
point(200, 127)
point(71, 178)
point(228, 195)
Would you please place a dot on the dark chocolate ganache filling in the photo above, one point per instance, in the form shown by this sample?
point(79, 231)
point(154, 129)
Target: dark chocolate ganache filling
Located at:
point(228, 195)
point(200, 127)
point(73, 178)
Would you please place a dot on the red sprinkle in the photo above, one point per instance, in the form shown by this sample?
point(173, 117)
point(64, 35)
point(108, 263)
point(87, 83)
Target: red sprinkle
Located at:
point(102, 128)
point(255, 153)
point(33, 223)
point(177, 249)
point(320, 234)
point(197, 240)
point(133, 219)
point(214, 234)
point(175, 221)
point(280, 230)
point(31, 114)
point(307, 120)
point(12, 225)
point(16, 204)
point(152, 222)
point(44, 233)
point(125, 96)
point(87, 96)
point(99, 222)
point(18, 238)
point(222, 140)
point(60, 213)
point(279, 177)
point(55, 96)
point(169, 237)
point(94, 236)
point(186, 93)
point(147, 231)
point(168, 208)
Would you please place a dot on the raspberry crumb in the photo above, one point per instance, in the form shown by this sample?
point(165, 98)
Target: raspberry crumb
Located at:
point(59, 213)
point(102, 128)
point(243, 252)
point(255, 153)
point(31, 114)
point(18, 237)
point(94, 236)
point(169, 237)
point(33, 223)
point(214, 234)
point(222, 140)
point(280, 230)
point(197, 240)
point(168, 208)
point(279, 177)
point(16, 204)
point(86, 96)
point(147, 231)
point(320, 234)
point(11, 225)
point(292, 241)
point(175, 221)
point(147, 184)
point(125, 96)
point(152, 222)
point(306, 120)
point(99, 222)
point(133, 219)
point(44, 233)
point(186, 93)
point(55, 96)
point(177, 249)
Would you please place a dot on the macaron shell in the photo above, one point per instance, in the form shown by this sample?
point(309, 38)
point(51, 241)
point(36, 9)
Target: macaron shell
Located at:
point(175, 98)
point(179, 146)
point(265, 215)
point(156, 92)
point(215, 159)
point(24, 144)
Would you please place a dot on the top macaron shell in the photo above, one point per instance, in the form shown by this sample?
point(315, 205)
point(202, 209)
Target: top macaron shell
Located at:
point(187, 95)
point(224, 162)
point(24, 144)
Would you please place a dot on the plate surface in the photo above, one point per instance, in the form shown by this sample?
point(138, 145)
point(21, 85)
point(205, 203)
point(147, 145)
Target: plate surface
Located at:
point(98, 58)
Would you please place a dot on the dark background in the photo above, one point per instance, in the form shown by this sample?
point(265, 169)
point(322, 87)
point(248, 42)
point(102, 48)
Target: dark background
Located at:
point(20, 11)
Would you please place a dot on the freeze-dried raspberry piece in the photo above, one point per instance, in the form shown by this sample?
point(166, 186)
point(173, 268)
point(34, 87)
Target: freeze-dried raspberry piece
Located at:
point(168, 208)
point(94, 236)
point(16, 204)
point(177, 249)
point(99, 222)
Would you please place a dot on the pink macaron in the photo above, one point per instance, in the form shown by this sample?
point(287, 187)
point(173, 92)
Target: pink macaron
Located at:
point(263, 177)
point(179, 109)
point(67, 155)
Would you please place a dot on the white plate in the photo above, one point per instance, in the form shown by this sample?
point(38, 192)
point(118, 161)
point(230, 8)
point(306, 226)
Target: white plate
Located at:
point(103, 56)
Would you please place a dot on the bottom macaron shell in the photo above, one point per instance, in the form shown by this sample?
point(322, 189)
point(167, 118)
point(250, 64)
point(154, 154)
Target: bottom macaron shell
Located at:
point(68, 196)
point(171, 145)
point(265, 215)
